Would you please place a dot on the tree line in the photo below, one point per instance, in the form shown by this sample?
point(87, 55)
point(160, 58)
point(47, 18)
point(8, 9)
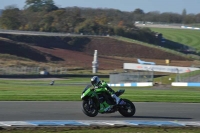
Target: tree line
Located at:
point(44, 15)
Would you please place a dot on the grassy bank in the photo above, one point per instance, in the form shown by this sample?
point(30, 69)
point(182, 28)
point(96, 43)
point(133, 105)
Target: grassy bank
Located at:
point(152, 46)
point(183, 36)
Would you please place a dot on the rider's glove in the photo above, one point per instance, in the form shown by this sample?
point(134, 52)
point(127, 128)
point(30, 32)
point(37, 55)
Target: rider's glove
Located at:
point(95, 87)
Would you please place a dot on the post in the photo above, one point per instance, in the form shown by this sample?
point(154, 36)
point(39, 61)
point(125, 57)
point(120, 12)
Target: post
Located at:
point(178, 76)
point(95, 63)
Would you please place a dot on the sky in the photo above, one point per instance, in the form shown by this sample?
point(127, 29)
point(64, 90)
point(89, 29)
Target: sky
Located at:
point(175, 6)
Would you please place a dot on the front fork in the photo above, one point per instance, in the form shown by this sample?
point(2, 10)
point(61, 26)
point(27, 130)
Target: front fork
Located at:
point(90, 102)
point(93, 103)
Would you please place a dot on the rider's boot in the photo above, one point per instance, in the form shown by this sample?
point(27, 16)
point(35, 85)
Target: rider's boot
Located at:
point(117, 99)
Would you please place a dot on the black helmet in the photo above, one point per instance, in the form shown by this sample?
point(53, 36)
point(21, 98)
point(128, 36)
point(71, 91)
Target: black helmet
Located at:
point(95, 80)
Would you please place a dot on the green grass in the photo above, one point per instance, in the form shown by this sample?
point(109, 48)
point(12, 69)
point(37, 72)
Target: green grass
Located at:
point(66, 90)
point(166, 79)
point(8, 56)
point(190, 74)
point(172, 77)
point(194, 25)
point(184, 36)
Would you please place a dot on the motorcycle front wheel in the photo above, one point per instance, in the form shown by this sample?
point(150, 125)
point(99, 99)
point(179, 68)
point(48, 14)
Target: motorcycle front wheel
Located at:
point(127, 110)
point(89, 108)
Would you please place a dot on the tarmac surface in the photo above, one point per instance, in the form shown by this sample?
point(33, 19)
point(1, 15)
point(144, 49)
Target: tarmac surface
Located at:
point(71, 110)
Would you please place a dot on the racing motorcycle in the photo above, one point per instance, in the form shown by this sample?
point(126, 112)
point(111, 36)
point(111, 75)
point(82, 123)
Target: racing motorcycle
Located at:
point(99, 101)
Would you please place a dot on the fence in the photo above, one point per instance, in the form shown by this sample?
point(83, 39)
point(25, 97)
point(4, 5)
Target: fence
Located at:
point(32, 70)
point(193, 76)
point(137, 76)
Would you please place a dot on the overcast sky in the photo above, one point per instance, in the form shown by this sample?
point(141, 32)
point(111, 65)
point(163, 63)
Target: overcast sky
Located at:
point(175, 6)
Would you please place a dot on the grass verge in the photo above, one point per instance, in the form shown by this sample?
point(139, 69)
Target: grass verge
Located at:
point(97, 129)
point(70, 90)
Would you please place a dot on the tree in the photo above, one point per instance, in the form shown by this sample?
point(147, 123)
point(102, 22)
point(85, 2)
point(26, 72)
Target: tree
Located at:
point(46, 23)
point(138, 14)
point(102, 20)
point(10, 18)
point(138, 11)
point(189, 19)
point(40, 5)
point(49, 6)
point(60, 20)
point(152, 16)
point(119, 31)
point(120, 24)
point(184, 14)
point(197, 18)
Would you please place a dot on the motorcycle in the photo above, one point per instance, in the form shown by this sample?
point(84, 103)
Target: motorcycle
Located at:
point(98, 101)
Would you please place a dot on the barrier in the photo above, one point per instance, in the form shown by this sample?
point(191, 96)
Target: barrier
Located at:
point(139, 84)
point(146, 84)
point(193, 28)
point(189, 84)
point(158, 68)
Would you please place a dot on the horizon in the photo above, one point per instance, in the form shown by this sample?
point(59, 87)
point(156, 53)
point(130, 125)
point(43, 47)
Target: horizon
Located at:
point(176, 6)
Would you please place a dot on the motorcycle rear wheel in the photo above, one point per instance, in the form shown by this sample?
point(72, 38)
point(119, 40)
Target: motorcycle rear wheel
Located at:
point(127, 110)
point(89, 110)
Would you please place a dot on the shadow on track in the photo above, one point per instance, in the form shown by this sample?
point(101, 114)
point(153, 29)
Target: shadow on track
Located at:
point(148, 117)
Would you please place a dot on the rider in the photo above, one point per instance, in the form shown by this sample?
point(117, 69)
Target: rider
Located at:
point(97, 83)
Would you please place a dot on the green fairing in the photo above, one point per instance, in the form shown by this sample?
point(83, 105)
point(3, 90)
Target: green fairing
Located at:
point(103, 86)
point(103, 106)
point(100, 90)
point(89, 92)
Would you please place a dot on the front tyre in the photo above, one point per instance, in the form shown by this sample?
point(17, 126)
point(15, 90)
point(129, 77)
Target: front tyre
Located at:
point(127, 110)
point(89, 108)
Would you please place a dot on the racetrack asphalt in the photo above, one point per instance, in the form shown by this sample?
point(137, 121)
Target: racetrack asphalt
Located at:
point(71, 110)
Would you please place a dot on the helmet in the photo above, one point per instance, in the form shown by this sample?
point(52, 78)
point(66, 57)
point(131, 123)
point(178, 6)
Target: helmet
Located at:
point(95, 80)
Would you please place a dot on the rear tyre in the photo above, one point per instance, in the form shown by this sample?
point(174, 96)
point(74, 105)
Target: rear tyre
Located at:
point(89, 109)
point(127, 110)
